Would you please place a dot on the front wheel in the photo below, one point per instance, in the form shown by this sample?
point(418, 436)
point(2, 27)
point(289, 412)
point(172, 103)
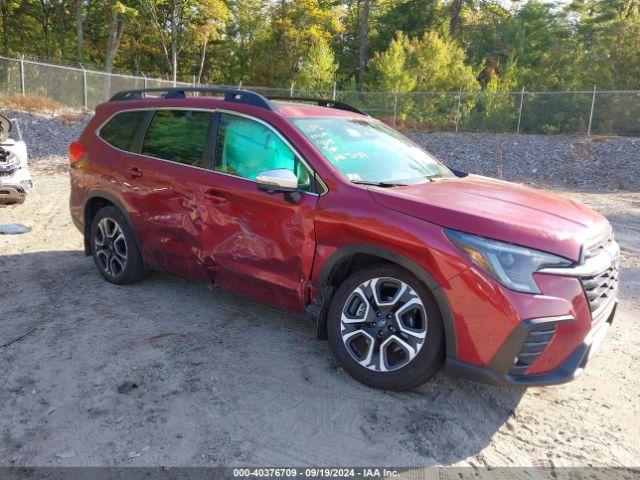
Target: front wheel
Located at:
point(385, 328)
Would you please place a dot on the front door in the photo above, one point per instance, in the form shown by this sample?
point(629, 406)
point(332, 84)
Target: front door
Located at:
point(258, 243)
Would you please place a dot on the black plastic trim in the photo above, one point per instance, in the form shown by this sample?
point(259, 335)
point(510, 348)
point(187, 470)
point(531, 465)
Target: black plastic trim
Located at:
point(245, 97)
point(497, 371)
point(321, 103)
point(326, 290)
point(138, 139)
point(106, 196)
point(212, 140)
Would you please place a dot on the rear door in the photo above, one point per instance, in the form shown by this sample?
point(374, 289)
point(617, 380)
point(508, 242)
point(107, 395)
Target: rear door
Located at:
point(258, 243)
point(163, 186)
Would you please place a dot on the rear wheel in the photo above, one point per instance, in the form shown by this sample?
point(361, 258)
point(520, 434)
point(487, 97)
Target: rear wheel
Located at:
point(114, 248)
point(385, 328)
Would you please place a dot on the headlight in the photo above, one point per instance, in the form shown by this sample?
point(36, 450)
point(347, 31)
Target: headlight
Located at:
point(511, 265)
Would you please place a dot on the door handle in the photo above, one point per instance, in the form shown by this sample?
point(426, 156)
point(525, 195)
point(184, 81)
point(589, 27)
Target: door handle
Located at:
point(134, 172)
point(215, 196)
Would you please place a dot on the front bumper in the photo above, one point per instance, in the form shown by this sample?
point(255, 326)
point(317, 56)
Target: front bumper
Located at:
point(15, 187)
point(500, 371)
point(12, 193)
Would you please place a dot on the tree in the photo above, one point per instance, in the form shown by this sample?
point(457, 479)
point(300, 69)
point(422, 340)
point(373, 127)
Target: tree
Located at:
point(295, 26)
point(609, 34)
point(271, 42)
point(174, 20)
point(209, 29)
point(440, 64)
point(246, 31)
point(117, 19)
point(5, 6)
point(318, 68)
point(411, 17)
point(390, 70)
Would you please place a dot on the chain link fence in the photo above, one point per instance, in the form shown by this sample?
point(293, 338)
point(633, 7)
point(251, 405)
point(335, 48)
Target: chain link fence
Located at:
point(75, 87)
point(576, 112)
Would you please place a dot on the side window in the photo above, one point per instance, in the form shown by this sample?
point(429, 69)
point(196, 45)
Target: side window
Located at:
point(246, 147)
point(178, 135)
point(122, 128)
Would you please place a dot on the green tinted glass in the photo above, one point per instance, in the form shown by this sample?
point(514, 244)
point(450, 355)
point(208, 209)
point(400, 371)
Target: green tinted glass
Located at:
point(122, 128)
point(245, 148)
point(178, 135)
point(367, 150)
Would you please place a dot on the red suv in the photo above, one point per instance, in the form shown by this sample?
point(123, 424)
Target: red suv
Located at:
point(311, 205)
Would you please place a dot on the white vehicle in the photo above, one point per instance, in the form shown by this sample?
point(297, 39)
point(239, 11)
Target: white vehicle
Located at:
point(15, 179)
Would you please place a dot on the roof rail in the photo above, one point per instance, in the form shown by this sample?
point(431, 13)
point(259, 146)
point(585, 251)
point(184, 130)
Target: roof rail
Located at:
point(321, 103)
point(246, 97)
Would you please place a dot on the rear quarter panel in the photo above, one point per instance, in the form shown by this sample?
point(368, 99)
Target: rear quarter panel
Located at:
point(96, 170)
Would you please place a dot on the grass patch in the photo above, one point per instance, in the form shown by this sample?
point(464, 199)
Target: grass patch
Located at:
point(39, 104)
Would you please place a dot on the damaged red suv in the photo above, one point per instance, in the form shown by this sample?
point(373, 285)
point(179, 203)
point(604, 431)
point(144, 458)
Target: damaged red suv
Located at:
point(311, 205)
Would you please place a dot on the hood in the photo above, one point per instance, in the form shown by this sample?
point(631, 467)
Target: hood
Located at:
point(499, 210)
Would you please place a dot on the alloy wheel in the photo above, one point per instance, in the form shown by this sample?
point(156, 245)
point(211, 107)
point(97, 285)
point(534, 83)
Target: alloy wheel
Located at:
point(383, 324)
point(110, 247)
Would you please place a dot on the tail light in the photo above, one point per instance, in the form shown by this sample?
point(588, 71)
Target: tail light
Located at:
point(76, 150)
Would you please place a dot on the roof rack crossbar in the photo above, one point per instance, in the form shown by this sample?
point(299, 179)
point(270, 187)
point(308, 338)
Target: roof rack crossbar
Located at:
point(321, 103)
point(246, 97)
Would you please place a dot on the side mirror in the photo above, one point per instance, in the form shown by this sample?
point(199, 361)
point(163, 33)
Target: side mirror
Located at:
point(278, 180)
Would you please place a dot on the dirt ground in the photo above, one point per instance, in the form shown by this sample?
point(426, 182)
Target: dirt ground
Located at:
point(222, 380)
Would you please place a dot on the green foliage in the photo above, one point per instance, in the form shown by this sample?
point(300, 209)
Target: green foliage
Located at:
point(411, 45)
point(318, 68)
point(389, 71)
point(439, 64)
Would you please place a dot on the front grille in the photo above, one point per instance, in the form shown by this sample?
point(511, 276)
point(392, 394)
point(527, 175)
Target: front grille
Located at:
point(602, 287)
point(537, 340)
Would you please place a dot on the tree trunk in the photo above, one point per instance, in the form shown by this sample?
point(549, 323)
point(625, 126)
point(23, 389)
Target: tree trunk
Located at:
point(203, 53)
point(116, 27)
point(174, 61)
point(456, 7)
point(364, 41)
point(4, 8)
point(79, 34)
point(174, 42)
point(46, 27)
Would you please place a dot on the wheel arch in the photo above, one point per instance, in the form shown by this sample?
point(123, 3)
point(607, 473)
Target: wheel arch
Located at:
point(96, 200)
point(351, 258)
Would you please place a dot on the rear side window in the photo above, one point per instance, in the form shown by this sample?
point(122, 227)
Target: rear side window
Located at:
point(122, 128)
point(178, 135)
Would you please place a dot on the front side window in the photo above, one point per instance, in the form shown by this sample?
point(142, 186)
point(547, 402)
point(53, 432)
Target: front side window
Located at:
point(122, 128)
point(178, 135)
point(367, 151)
point(246, 147)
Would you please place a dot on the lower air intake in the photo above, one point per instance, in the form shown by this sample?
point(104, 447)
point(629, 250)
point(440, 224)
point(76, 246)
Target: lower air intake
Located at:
point(537, 340)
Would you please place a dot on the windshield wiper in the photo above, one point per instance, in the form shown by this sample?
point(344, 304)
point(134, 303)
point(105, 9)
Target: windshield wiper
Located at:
point(379, 184)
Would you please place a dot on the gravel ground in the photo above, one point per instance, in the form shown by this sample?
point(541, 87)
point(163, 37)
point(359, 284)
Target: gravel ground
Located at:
point(579, 163)
point(48, 138)
point(221, 380)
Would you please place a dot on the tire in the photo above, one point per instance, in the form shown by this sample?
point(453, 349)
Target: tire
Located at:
point(403, 324)
point(114, 248)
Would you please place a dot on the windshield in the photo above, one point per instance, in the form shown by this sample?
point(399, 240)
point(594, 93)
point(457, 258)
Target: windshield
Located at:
point(367, 151)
